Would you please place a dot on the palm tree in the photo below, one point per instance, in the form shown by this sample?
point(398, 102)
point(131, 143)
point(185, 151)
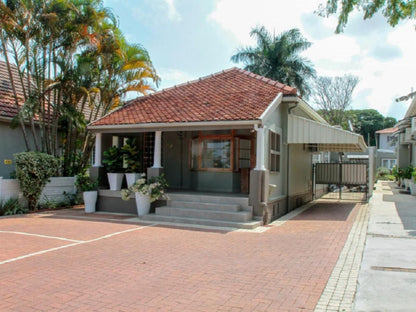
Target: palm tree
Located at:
point(73, 65)
point(277, 58)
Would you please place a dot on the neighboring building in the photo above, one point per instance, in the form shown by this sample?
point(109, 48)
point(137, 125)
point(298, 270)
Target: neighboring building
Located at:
point(386, 148)
point(406, 137)
point(233, 133)
point(11, 140)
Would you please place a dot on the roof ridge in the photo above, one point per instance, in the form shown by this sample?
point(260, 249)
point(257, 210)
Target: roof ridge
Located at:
point(268, 80)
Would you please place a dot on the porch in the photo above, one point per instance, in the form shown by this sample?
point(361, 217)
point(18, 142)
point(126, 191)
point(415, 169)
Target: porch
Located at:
point(208, 172)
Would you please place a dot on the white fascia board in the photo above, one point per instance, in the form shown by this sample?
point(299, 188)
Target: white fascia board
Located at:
point(176, 125)
point(272, 107)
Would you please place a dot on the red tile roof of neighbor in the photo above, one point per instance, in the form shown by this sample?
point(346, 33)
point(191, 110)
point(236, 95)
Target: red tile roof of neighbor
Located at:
point(232, 94)
point(387, 130)
point(7, 103)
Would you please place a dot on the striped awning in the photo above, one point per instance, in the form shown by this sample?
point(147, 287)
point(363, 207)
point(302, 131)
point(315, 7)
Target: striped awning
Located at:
point(323, 137)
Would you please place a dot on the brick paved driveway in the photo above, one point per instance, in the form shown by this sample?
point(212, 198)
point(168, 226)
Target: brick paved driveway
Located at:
point(65, 261)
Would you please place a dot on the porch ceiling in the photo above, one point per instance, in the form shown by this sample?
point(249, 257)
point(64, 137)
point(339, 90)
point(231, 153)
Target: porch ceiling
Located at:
point(323, 136)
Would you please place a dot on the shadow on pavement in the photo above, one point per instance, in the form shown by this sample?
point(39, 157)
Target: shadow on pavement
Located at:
point(328, 211)
point(405, 206)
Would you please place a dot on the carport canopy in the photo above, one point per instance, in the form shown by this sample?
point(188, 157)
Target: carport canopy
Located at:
point(323, 136)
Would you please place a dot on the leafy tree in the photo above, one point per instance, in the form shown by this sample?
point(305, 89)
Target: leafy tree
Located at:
point(394, 11)
point(74, 65)
point(277, 57)
point(368, 121)
point(389, 122)
point(333, 96)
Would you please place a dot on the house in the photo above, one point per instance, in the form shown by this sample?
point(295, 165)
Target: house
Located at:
point(406, 137)
point(12, 140)
point(386, 148)
point(233, 135)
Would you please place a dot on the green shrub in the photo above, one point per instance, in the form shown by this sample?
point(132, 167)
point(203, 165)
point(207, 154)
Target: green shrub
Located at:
point(113, 160)
point(131, 156)
point(407, 172)
point(381, 173)
point(33, 171)
point(12, 207)
point(85, 183)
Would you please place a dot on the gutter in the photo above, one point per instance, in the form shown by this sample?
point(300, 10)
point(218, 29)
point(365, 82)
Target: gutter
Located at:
point(175, 125)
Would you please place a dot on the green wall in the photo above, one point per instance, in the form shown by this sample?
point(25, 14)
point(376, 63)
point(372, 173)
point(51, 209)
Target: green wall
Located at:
point(11, 142)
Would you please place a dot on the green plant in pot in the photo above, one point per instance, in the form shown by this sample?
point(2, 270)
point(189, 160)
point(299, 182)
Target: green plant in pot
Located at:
point(132, 166)
point(146, 192)
point(113, 162)
point(88, 186)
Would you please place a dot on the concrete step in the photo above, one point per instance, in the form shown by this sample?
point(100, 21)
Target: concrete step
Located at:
point(207, 222)
point(204, 206)
point(211, 198)
point(234, 216)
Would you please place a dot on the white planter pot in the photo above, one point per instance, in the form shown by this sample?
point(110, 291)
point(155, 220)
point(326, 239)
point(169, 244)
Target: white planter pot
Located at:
point(132, 177)
point(115, 179)
point(142, 204)
point(412, 188)
point(90, 200)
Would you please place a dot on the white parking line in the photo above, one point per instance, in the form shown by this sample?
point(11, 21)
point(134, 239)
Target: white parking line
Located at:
point(66, 246)
point(42, 236)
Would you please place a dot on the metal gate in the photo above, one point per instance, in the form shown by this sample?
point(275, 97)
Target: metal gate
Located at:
point(347, 180)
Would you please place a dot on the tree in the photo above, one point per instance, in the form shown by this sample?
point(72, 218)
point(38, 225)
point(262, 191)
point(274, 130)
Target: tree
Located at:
point(74, 65)
point(277, 58)
point(393, 10)
point(367, 122)
point(333, 95)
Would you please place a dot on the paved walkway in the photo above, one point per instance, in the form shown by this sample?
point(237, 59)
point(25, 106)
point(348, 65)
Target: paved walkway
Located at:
point(68, 261)
point(387, 279)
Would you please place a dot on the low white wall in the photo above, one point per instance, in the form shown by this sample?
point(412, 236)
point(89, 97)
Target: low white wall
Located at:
point(53, 191)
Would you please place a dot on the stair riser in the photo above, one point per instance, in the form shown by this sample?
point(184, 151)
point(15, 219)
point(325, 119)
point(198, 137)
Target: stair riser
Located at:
point(204, 206)
point(204, 214)
point(158, 218)
point(242, 201)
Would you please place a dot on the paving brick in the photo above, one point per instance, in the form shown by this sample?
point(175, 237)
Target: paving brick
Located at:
point(159, 268)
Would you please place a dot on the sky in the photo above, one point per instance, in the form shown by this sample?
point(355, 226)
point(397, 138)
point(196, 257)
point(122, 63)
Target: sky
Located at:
point(188, 39)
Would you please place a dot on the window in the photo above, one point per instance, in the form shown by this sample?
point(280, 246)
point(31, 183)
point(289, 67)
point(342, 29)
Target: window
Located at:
point(388, 163)
point(216, 154)
point(212, 152)
point(274, 159)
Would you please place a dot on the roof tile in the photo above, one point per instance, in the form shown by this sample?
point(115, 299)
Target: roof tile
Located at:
point(232, 94)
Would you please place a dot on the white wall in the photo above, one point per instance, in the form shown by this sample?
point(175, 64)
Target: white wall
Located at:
point(53, 191)
point(384, 143)
point(276, 123)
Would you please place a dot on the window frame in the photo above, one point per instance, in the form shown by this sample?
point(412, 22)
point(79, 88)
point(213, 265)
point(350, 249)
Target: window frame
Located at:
point(275, 150)
point(201, 137)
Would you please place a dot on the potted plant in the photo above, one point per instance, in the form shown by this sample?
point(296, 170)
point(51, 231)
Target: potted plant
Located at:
point(407, 176)
point(131, 156)
point(146, 192)
point(113, 162)
point(413, 183)
point(88, 187)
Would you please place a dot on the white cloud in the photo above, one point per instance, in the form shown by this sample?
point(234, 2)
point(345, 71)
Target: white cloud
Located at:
point(173, 76)
point(382, 57)
point(239, 17)
point(172, 12)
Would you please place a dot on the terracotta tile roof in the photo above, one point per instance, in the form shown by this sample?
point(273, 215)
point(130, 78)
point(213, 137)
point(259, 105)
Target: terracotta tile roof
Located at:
point(233, 94)
point(387, 130)
point(7, 104)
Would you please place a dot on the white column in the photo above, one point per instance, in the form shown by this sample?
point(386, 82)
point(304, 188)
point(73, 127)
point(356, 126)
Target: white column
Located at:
point(260, 148)
point(98, 144)
point(158, 150)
